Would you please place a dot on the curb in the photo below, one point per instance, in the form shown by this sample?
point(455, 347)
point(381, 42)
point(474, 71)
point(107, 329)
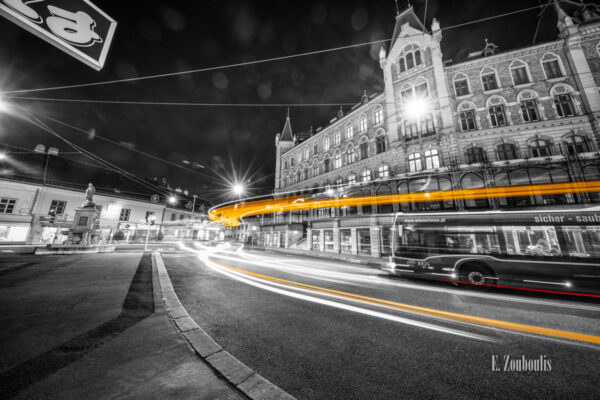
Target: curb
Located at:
point(233, 370)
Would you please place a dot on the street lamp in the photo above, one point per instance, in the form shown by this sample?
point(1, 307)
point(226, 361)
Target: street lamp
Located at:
point(415, 108)
point(2, 156)
point(238, 189)
point(172, 200)
point(3, 104)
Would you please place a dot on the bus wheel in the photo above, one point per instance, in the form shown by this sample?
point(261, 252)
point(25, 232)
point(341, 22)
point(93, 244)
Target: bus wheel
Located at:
point(475, 276)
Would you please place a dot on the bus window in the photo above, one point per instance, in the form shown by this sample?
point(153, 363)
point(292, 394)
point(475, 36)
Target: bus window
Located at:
point(535, 241)
point(582, 241)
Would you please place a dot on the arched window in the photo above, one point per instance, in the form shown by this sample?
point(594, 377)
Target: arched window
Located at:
point(466, 114)
point(364, 148)
point(383, 172)
point(519, 72)
point(563, 100)
point(552, 66)
point(326, 164)
point(540, 148)
point(337, 160)
point(432, 159)
point(366, 175)
point(414, 162)
point(497, 111)
point(409, 58)
point(380, 146)
point(475, 154)
point(577, 144)
point(489, 79)
point(529, 106)
point(461, 84)
point(350, 154)
point(298, 176)
point(506, 151)
point(473, 181)
point(305, 172)
point(362, 124)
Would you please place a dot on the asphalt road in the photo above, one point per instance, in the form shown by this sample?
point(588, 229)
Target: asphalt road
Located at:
point(332, 330)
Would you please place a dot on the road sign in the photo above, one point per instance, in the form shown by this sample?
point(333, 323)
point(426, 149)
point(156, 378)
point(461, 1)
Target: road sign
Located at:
point(77, 27)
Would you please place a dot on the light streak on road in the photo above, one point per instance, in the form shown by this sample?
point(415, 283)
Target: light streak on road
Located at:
point(373, 277)
point(230, 214)
point(267, 282)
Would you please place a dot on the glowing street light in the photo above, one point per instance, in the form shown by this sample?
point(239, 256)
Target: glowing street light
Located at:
point(238, 189)
point(2, 156)
point(415, 108)
point(172, 199)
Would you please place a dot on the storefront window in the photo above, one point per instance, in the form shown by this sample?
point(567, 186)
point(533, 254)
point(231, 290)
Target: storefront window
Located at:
point(346, 241)
point(316, 243)
point(364, 241)
point(328, 237)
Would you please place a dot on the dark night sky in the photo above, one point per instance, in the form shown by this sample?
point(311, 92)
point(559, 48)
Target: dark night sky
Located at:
point(155, 37)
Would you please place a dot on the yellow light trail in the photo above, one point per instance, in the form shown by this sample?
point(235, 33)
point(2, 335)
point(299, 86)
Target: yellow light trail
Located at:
point(229, 215)
point(446, 315)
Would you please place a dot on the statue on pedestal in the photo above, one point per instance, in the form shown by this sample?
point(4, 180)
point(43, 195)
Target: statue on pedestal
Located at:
point(89, 196)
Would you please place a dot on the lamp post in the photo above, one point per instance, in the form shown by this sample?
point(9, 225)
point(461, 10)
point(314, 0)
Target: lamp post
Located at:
point(150, 221)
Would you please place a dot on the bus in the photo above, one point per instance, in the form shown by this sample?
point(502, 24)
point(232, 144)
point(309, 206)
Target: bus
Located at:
point(541, 249)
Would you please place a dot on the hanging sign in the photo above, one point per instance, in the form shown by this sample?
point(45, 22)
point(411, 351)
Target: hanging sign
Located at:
point(77, 27)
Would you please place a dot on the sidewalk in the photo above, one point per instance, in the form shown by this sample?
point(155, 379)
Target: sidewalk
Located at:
point(94, 327)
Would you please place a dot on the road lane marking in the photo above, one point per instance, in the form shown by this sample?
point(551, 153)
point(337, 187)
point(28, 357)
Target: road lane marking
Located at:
point(257, 283)
point(470, 319)
point(378, 279)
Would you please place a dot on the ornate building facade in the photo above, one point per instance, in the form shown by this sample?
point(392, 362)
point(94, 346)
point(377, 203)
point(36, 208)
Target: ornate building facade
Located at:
point(509, 118)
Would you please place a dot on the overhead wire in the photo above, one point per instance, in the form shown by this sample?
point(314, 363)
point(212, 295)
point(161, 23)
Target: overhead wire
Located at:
point(34, 120)
point(255, 62)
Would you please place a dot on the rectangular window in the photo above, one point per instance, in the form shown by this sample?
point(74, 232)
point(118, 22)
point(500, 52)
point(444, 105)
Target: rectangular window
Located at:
point(461, 87)
point(529, 111)
point(362, 125)
point(519, 75)
point(326, 165)
point(352, 179)
point(326, 143)
point(410, 129)
point(467, 120)
point(174, 216)
point(489, 81)
point(181, 216)
point(380, 144)
point(346, 241)
point(427, 127)
point(564, 105)
point(364, 241)
point(57, 207)
point(407, 95)
point(432, 159)
point(328, 239)
point(349, 132)
point(149, 215)
point(497, 116)
point(378, 116)
point(414, 162)
point(364, 150)
point(124, 216)
point(552, 69)
point(337, 137)
point(7, 206)
point(315, 149)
